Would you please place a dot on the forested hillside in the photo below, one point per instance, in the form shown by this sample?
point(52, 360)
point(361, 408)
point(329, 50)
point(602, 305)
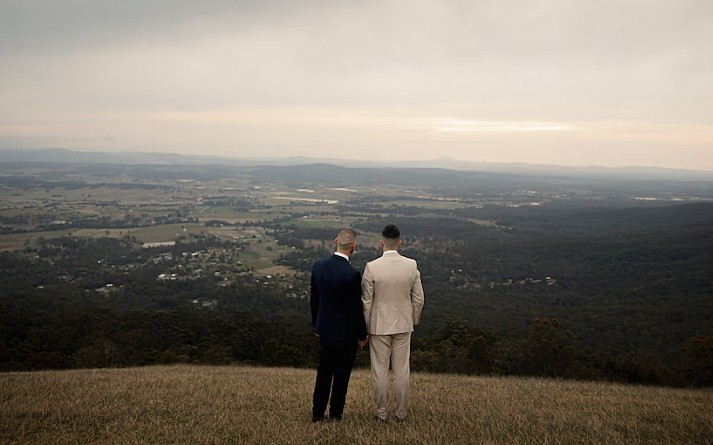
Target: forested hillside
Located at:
point(110, 268)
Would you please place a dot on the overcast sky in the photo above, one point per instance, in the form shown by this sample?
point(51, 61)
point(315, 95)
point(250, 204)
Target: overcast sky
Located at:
point(569, 82)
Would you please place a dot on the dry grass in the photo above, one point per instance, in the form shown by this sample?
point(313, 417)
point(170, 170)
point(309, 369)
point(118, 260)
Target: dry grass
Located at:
point(234, 405)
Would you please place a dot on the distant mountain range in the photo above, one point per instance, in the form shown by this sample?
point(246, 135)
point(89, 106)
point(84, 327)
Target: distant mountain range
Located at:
point(62, 155)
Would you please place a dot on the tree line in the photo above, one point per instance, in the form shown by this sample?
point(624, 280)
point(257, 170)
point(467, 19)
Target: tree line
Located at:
point(573, 293)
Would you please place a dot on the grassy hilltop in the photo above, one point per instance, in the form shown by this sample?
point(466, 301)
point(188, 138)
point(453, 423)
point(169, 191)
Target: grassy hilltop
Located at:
point(236, 405)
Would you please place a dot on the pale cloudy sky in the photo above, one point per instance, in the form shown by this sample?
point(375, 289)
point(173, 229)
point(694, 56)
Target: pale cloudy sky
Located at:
point(570, 82)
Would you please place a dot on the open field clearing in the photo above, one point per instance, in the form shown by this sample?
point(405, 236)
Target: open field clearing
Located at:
point(297, 208)
point(301, 203)
point(274, 271)
point(229, 215)
point(17, 241)
point(306, 223)
point(427, 204)
point(164, 232)
point(230, 405)
point(158, 233)
point(485, 223)
point(261, 255)
point(127, 193)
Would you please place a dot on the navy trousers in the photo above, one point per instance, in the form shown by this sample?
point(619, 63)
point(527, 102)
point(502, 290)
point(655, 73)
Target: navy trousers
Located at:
point(336, 360)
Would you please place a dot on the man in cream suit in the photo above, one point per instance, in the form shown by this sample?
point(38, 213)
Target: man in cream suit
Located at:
point(393, 299)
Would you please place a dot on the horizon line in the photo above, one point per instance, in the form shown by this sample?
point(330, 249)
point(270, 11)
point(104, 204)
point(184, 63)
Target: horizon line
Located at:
point(442, 159)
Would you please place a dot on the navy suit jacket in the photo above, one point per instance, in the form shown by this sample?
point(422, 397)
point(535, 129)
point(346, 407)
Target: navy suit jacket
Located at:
point(335, 300)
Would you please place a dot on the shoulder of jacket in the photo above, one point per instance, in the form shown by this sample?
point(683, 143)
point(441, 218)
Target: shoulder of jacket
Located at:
point(372, 264)
point(322, 261)
point(410, 260)
point(405, 258)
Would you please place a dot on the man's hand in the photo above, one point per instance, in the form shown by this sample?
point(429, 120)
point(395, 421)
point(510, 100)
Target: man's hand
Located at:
point(363, 343)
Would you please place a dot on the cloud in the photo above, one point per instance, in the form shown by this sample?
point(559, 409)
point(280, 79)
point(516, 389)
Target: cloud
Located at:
point(48, 26)
point(475, 127)
point(413, 73)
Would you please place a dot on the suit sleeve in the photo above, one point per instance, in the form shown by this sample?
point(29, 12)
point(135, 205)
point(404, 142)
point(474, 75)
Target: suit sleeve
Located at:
point(314, 298)
point(367, 294)
point(357, 309)
point(417, 298)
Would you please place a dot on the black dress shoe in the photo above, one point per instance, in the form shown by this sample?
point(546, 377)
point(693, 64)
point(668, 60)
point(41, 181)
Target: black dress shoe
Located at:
point(335, 418)
point(316, 419)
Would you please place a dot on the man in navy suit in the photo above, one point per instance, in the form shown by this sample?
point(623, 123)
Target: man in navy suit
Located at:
point(338, 321)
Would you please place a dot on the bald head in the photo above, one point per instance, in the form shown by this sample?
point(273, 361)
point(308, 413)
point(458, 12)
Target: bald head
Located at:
point(346, 239)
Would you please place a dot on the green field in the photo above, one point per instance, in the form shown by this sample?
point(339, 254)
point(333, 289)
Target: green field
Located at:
point(426, 204)
point(318, 223)
point(260, 255)
point(165, 232)
point(158, 233)
point(243, 405)
point(17, 241)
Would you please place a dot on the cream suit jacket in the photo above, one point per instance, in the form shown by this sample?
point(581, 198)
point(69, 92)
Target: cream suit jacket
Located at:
point(392, 294)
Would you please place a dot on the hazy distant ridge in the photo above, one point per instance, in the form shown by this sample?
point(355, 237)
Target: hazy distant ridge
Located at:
point(62, 155)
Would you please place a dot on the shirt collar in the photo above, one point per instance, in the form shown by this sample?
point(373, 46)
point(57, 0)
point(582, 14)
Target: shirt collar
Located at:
point(342, 255)
point(389, 252)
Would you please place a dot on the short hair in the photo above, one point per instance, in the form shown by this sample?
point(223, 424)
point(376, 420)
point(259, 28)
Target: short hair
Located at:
point(391, 232)
point(346, 237)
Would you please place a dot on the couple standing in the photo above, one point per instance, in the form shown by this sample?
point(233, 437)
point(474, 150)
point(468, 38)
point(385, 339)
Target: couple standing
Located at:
point(380, 309)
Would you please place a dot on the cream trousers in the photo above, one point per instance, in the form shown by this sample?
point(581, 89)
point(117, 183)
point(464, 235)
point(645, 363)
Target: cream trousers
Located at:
point(396, 350)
